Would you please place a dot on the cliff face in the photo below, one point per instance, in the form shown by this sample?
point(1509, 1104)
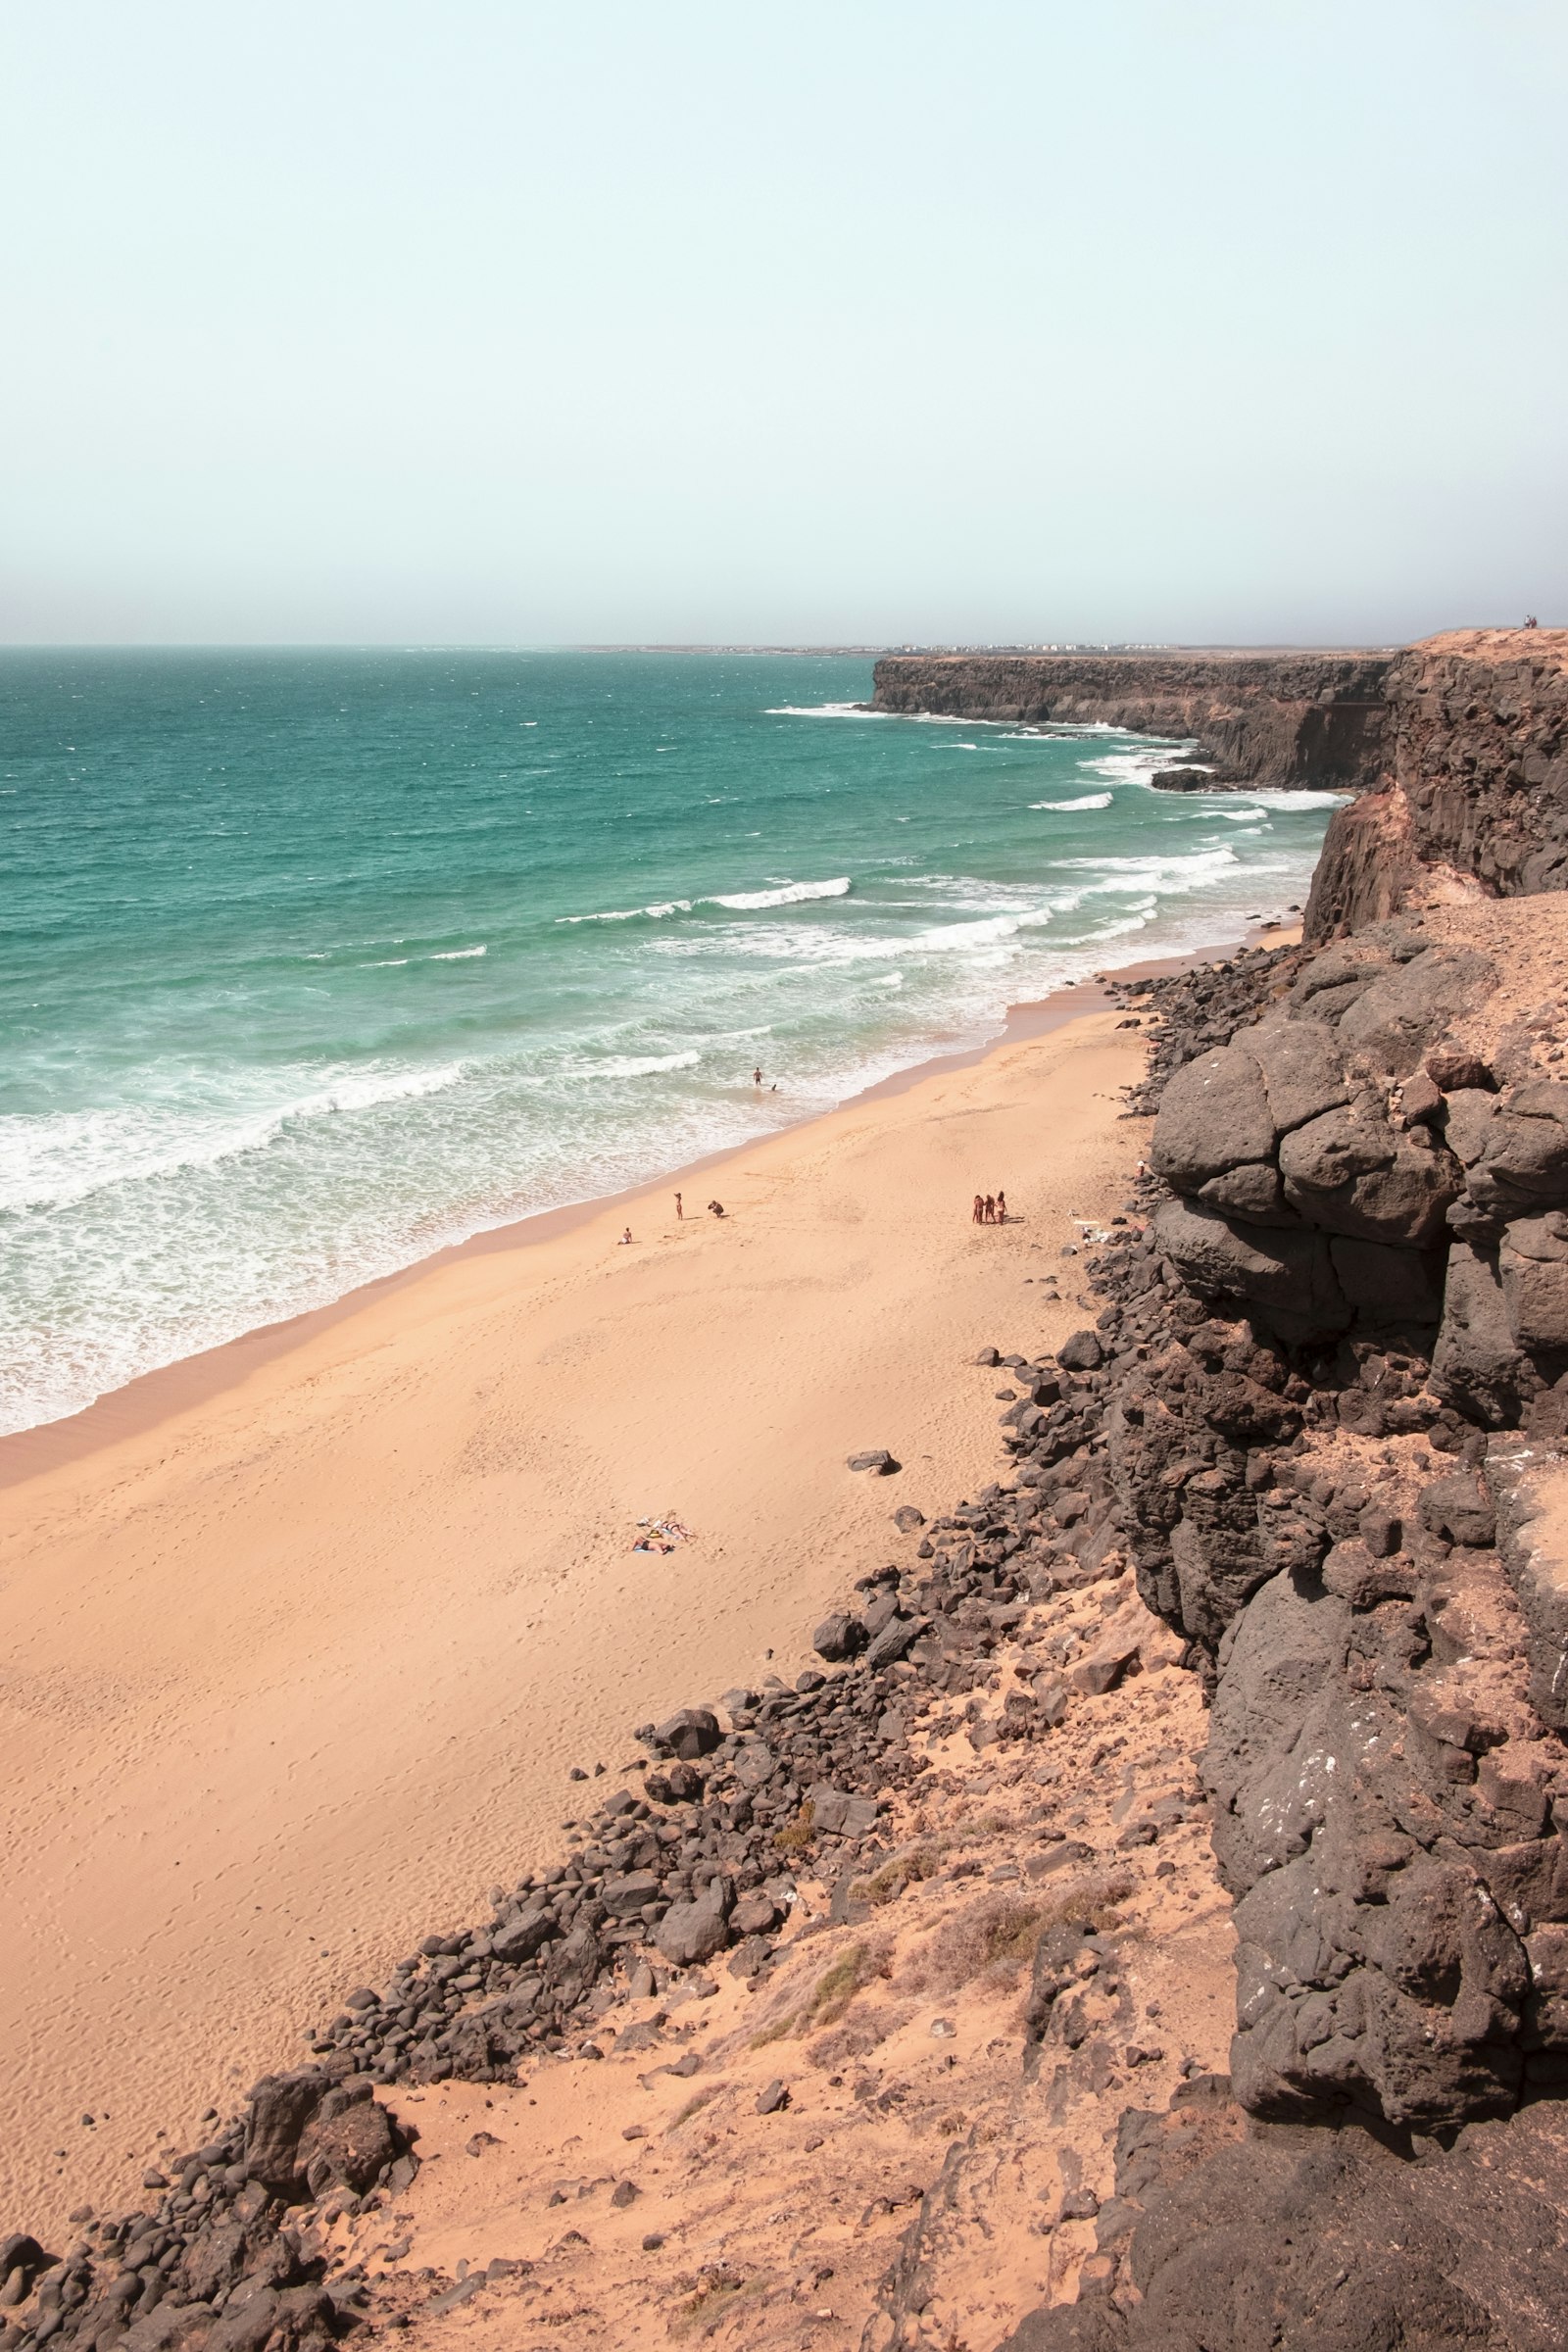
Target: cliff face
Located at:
point(1335, 1417)
point(1475, 793)
point(1285, 719)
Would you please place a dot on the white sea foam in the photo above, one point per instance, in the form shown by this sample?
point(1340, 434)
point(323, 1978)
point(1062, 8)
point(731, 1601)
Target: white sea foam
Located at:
point(1300, 799)
point(459, 954)
point(1196, 865)
point(1090, 800)
point(824, 710)
point(53, 1159)
point(739, 902)
point(628, 1065)
point(788, 894)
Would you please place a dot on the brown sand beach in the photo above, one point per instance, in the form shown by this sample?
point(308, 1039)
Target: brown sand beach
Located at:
point(302, 1648)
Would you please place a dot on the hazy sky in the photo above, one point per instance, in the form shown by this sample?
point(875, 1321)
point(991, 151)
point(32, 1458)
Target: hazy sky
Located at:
point(490, 320)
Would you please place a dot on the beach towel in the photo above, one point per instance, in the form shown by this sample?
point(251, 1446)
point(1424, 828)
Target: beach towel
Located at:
point(661, 1534)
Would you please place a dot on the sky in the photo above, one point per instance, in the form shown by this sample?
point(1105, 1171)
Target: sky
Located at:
point(1190, 320)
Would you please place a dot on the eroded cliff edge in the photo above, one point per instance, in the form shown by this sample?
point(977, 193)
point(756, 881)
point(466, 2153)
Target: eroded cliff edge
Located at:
point(1281, 719)
point(1474, 792)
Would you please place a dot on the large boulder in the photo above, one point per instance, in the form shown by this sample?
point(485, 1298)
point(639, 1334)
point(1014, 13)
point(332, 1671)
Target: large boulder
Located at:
point(689, 1733)
point(519, 1938)
point(1290, 1275)
point(1225, 2235)
point(349, 2141)
point(1408, 1008)
point(839, 1637)
point(573, 1965)
point(1215, 1115)
point(1302, 1070)
point(691, 1933)
point(1349, 1171)
point(1477, 1363)
point(1514, 1146)
point(280, 2107)
point(1533, 1267)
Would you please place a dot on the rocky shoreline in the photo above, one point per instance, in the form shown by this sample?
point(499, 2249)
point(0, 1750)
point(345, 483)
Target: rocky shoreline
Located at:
point(1266, 719)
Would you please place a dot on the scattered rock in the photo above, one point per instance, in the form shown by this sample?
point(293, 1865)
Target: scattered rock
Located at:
point(689, 1733)
point(840, 1636)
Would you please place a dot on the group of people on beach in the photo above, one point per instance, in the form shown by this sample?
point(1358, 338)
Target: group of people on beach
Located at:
point(990, 1208)
point(715, 1208)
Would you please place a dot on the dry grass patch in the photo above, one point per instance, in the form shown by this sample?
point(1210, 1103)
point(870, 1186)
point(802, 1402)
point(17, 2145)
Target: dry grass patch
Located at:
point(857, 2037)
point(695, 2104)
point(993, 1940)
point(829, 1997)
point(910, 1868)
point(797, 1833)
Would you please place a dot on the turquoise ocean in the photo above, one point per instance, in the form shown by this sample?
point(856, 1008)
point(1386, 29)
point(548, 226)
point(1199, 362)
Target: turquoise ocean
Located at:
point(313, 963)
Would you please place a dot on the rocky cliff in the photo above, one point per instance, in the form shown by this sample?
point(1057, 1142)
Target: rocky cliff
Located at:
point(1279, 719)
point(1332, 1412)
point(1473, 793)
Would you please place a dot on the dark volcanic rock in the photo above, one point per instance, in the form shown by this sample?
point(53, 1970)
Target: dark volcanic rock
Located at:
point(1237, 2237)
point(1287, 719)
point(689, 1733)
point(840, 1636)
point(280, 2107)
point(1476, 780)
point(692, 1933)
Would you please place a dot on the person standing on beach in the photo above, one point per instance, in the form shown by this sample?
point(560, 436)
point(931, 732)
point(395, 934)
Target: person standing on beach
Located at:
point(756, 1076)
point(979, 1208)
point(990, 1208)
point(680, 1211)
point(1001, 1208)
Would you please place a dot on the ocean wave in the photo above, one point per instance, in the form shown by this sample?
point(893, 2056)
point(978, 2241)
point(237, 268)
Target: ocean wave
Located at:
point(627, 1065)
point(630, 914)
point(1090, 800)
point(1062, 730)
point(788, 894)
point(1193, 862)
point(1300, 799)
point(1117, 877)
point(1138, 767)
point(457, 954)
point(57, 1158)
point(741, 902)
point(824, 710)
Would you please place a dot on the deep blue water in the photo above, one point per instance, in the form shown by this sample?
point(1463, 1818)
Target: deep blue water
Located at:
point(312, 962)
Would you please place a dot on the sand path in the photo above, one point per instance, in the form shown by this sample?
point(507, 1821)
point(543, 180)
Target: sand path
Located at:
point(292, 1676)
